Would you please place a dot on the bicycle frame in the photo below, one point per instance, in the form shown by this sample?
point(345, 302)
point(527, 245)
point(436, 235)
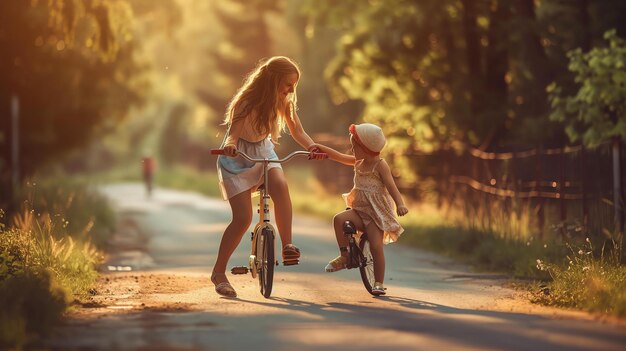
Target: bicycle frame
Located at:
point(264, 230)
point(359, 255)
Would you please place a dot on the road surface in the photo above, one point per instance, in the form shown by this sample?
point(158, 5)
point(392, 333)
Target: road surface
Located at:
point(155, 294)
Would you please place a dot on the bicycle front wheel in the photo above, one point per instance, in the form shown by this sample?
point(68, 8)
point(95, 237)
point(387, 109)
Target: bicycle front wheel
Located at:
point(366, 263)
point(265, 246)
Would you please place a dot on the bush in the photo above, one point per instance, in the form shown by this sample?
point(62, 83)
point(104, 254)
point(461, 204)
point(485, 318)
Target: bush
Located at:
point(42, 264)
point(31, 304)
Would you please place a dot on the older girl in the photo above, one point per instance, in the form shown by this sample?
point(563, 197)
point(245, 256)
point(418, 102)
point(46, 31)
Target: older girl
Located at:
point(256, 116)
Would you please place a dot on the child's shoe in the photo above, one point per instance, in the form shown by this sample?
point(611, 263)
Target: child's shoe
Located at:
point(378, 289)
point(336, 264)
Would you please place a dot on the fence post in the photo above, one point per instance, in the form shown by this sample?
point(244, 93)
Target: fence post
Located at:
point(617, 185)
point(561, 189)
point(514, 180)
point(583, 188)
point(540, 200)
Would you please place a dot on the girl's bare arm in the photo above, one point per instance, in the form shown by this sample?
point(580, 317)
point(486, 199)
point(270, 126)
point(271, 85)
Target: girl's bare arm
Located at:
point(297, 131)
point(337, 156)
point(390, 184)
point(230, 146)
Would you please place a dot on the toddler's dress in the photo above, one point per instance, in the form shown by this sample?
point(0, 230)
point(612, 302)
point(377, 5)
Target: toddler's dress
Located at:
point(373, 203)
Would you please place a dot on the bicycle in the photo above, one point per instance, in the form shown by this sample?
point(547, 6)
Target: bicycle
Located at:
point(262, 255)
point(360, 255)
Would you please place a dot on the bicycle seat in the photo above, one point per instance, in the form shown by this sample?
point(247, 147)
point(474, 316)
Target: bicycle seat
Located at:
point(349, 228)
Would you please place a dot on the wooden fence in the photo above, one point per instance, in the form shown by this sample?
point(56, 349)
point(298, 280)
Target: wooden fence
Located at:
point(559, 186)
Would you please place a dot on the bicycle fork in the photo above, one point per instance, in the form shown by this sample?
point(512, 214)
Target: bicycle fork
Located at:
point(353, 258)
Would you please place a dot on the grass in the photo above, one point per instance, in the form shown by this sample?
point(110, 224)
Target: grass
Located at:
point(41, 272)
point(48, 257)
point(187, 178)
point(590, 279)
point(73, 205)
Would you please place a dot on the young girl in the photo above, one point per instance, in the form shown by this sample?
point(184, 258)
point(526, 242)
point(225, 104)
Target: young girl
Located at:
point(370, 199)
point(256, 116)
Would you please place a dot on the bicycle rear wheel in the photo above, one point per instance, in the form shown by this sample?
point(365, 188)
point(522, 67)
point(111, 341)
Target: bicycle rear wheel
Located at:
point(265, 249)
point(366, 263)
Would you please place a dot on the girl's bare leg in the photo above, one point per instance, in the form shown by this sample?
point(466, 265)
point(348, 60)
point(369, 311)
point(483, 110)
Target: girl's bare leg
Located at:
point(375, 236)
point(279, 192)
point(339, 220)
point(241, 208)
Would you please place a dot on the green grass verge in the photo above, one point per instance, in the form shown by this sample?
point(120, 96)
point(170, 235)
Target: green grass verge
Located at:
point(47, 257)
point(187, 178)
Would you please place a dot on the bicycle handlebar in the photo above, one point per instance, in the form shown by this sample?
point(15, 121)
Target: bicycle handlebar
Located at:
point(322, 155)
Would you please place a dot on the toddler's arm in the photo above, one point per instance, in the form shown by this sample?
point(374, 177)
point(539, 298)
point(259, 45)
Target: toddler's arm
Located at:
point(337, 156)
point(390, 184)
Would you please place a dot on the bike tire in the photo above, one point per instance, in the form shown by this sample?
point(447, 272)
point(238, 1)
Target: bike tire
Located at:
point(366, 263)
point(265, 247)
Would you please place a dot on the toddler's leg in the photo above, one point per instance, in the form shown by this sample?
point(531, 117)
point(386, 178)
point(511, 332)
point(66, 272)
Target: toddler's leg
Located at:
point(339, 220)
point(375, 236)
point(339, 262)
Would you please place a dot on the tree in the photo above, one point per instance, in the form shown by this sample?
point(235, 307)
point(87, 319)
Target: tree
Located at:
point(435, 73)
point(596, 113)
point(72, 66)
point(246, 41)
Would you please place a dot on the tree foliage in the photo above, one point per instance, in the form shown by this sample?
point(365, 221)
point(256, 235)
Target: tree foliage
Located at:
point(72, 66)
point(435, 73)
point(245, 41)
point(595, 112)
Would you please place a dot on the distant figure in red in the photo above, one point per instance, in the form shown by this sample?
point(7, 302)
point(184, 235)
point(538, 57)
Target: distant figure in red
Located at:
point(148, 165)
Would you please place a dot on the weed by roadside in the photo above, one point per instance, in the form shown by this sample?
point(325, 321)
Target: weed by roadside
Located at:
point(588, 280)
point(45, 261)
point(73, 206)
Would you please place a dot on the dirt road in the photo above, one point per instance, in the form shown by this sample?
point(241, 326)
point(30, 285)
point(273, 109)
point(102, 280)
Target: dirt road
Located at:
point(156, 295)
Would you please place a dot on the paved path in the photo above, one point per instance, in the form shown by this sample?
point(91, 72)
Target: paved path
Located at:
point(166, 301)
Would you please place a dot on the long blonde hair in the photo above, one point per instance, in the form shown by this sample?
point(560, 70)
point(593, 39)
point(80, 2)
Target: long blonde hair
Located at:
point(260, 93)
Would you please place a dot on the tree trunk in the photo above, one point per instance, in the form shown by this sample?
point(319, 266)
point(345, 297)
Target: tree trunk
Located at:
point(496, 67)
point(6, 188)
point(533, 56)
point(472, 53)
point(585, 22)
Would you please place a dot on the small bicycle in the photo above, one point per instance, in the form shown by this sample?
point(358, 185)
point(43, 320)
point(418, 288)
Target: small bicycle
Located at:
point(360, 255)
point(262, 255)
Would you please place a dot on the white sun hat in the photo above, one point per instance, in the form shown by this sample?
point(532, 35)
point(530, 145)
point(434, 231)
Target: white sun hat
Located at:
point(369, 136)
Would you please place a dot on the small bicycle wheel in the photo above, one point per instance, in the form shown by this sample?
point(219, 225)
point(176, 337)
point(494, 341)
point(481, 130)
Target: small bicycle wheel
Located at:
point(265, 249)
point(366, 263)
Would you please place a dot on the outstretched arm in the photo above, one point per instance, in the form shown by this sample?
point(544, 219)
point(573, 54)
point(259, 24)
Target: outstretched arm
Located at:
point(337, 156)
point(296, 129)
point(390, 184)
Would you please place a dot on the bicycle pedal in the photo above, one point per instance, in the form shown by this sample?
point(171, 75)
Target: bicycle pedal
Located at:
point(239, 270)
point(291, 263)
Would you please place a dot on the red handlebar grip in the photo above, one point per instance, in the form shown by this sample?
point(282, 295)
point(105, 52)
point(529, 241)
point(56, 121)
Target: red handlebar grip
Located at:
point(217, 151)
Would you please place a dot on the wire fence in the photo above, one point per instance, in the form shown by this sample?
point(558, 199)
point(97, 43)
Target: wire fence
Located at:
point(570, 190)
